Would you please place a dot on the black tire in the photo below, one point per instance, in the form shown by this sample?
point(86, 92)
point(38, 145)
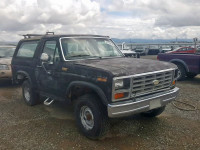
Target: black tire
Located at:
point(33, 96)
point(153, 112)
point(100, 119)
point(182, 72)
point(191, 75)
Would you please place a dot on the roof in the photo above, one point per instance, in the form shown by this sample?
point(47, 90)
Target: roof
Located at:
point(38, 36)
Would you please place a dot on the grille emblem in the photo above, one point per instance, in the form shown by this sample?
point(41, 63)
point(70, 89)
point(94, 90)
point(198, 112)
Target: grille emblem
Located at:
point(156, 82)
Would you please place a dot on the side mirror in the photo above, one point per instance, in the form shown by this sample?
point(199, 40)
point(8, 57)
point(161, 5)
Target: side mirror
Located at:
point(44, 57)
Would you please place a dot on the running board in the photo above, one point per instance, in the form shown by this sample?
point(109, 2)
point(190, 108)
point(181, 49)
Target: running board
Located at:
point(48, 101)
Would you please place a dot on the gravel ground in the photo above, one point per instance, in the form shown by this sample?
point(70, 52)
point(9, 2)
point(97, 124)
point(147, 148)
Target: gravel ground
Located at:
point(53, 127)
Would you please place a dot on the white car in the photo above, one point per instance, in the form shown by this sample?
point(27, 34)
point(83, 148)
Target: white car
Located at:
point(129, 53)
point(165, 49)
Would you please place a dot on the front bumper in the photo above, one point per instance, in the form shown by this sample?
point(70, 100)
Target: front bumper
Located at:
point(5, 74)
point(142, 104)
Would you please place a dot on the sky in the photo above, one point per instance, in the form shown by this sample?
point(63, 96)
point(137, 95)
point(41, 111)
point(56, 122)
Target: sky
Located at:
point(137, 19)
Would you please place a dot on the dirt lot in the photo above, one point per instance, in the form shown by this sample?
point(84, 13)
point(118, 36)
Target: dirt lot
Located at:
point(53, 127)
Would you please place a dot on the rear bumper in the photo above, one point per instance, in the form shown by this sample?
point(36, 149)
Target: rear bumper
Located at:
point(143, 104)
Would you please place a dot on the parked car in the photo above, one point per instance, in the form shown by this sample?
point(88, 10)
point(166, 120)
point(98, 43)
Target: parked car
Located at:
point(129, 53)
point(165, 49)
point(188, 64)
point(90, 72)
point(153, 50)
point(141, 50)
point(6, 53)
point(183, 50)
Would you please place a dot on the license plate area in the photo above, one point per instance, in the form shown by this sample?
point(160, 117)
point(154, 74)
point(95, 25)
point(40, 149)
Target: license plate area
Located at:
point(155, 104)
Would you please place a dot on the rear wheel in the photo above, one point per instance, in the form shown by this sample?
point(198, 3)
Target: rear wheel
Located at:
point(29, 95)
point(181, 72)
point(90, 115)
point(153, 112)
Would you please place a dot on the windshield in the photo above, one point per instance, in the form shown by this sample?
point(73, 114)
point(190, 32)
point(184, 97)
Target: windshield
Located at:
point(76, 48)
point(6, 51)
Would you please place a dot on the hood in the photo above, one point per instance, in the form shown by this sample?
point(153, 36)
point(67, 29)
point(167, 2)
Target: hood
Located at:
point(126, 66)
point(6, 60)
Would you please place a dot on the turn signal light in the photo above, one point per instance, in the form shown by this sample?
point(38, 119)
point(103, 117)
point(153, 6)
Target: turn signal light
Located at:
point(119, 95)
point(174, 82)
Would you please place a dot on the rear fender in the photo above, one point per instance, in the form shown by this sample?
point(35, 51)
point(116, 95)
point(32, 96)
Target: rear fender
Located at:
point(175, 61)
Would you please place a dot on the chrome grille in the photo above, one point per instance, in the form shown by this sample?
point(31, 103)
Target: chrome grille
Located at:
point(143, 84)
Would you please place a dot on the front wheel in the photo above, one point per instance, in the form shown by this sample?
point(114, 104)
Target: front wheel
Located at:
point(153, 112)
point(90, 115)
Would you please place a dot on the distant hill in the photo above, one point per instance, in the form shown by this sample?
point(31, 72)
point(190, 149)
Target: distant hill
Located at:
point(151, 40)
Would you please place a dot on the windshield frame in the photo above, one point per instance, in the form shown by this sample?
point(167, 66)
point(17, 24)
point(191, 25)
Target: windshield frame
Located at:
point(84, 37)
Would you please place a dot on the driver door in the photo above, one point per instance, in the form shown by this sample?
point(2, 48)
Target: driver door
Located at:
point(48, 73)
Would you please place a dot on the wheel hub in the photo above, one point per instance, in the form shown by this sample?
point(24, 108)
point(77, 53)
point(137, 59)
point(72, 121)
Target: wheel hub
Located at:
point(27, 93)
point(87, 118)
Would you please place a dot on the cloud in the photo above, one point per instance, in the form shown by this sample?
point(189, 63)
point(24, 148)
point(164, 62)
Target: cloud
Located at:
point(119, 19)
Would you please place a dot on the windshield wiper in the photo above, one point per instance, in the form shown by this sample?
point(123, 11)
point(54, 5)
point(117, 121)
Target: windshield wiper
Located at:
point(2, 56)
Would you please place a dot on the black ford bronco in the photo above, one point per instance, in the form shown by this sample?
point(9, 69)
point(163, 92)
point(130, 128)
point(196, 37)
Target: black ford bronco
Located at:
point(90, 72)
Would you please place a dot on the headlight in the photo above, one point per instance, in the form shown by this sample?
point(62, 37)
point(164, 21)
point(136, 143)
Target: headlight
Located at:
point(4, 67)
point(119, 84)
point(121, 89)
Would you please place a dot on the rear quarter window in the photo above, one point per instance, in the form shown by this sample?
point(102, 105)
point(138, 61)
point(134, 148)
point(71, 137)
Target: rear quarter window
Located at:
point(27, 49)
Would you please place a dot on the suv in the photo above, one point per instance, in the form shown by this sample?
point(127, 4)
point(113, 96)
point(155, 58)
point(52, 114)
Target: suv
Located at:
point(6, 53)
point(90, 72)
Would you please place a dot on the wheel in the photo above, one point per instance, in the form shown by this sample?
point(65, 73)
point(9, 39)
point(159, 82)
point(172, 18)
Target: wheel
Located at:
point(153, 112)
point(181, 72)
point(191, 75)
point(30, 97)
point(91, 117)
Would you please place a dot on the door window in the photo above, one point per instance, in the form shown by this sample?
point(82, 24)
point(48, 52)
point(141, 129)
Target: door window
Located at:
point(51, 49)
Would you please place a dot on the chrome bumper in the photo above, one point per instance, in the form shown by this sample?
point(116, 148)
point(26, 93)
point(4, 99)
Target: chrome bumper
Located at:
point(142, 104)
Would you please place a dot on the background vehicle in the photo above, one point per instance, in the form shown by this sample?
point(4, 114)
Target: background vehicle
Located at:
point(183, 50)
point(6, 53)
point(129, 53)
point(92, 73)
point(153, 50)
point(165, 49)
point(141, 50)
point(188, 64)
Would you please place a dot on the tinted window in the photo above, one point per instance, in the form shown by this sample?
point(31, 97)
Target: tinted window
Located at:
point(27, 49)
point(182, 49)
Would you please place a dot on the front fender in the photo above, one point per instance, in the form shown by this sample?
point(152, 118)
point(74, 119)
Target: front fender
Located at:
point(98, 90)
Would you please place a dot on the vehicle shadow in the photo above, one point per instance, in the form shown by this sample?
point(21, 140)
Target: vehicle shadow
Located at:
point(195, 80)
point(5, 83)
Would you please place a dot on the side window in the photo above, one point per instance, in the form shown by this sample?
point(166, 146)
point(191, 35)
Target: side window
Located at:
point(27, 49)
point(183, 49)
point(49, 48)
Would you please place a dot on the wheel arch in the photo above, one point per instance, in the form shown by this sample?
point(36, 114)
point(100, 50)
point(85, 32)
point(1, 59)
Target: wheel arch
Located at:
point(181, 62)
point(97, 90)
point(21, 76)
